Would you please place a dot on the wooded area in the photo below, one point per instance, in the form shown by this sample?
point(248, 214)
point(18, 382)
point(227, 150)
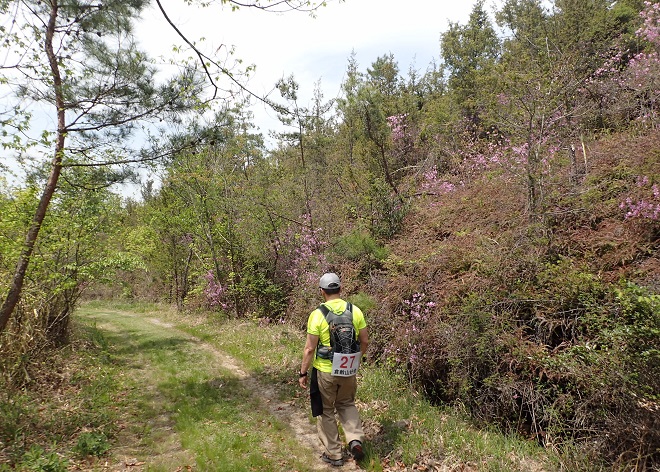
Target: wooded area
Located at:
point(497, 216)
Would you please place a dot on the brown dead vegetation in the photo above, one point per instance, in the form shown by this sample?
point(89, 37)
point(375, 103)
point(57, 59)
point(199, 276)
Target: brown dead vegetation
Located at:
point(525, 312)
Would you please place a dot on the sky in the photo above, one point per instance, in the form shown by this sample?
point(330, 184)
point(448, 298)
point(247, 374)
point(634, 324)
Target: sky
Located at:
point(312, 49)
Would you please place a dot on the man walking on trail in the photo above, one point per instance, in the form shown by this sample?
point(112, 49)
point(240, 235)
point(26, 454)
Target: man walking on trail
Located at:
point(333, 380)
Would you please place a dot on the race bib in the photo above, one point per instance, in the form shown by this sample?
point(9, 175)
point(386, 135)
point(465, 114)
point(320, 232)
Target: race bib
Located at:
point(345, 365)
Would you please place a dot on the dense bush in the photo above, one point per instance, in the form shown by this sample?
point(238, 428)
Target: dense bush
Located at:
point(499, 219)
point(575, 360)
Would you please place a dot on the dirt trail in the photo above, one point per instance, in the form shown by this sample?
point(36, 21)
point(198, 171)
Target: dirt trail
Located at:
point(286, 411)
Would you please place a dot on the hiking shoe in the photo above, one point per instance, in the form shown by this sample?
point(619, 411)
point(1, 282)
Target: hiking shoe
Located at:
point(332, 462)
point(356, 449)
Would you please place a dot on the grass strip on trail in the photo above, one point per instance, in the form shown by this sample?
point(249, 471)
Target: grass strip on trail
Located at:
point(162, 391)
point(218, 424)
point(404, 430)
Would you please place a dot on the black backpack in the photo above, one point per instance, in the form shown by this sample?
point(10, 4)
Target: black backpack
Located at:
point(343, 336)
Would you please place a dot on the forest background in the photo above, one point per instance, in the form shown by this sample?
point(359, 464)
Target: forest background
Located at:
point(497, 216)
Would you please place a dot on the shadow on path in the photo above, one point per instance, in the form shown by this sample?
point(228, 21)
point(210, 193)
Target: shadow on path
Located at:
point(209, 393)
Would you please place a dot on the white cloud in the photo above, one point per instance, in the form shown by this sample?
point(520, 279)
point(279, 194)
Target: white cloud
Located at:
point(311, 49)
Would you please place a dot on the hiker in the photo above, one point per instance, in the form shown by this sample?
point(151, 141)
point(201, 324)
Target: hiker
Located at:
point(333, 380)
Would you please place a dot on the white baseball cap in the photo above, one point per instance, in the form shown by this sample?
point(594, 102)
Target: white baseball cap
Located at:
point(329, 281)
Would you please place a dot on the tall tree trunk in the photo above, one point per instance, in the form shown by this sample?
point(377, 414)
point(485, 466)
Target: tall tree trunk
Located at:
point(382, 154)
point(14, 295)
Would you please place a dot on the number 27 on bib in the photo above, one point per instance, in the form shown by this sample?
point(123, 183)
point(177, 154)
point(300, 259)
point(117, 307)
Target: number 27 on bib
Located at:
point(345, 365)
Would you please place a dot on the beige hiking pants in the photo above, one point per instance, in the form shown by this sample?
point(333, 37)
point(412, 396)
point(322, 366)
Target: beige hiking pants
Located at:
point(338, 394)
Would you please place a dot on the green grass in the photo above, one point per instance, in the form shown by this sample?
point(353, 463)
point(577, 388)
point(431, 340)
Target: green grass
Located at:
point(410, 428)
point(67, 411)
point(420, 432)
point(273, 353)
point(145, 390)
point(219, 425)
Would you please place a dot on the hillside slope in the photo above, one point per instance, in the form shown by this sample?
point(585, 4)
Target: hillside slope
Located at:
point(547, 323)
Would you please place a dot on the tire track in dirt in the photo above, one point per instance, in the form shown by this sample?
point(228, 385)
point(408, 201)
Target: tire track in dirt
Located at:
point(286, 412)
point(127, 449)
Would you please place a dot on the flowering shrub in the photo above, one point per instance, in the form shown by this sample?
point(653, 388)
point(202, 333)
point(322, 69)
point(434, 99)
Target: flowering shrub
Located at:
point(644, 68)
point(483, 156)
point(632, 89)
point(650, 30)
point(403, 135)
point(408, 347)
point(646, 208)
point(214, 292)
point(399, 127)
point(433, 183)
point(301, 253)
point(493, 150)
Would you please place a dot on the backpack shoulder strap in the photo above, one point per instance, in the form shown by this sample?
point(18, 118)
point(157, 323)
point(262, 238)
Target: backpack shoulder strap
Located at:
point(324, 310)
point(328, 314)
